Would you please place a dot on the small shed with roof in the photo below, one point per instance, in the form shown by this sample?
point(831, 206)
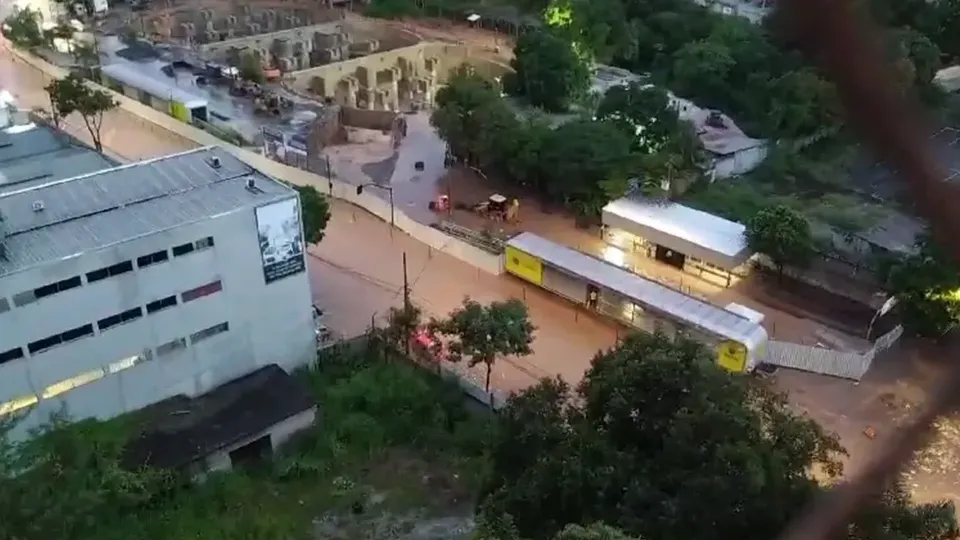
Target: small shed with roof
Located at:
point(688, 239)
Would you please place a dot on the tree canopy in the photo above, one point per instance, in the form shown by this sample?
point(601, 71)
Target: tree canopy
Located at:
point(23, 28)
point(653, 437)
point(781, 233)
point(483, 333)
point(549, 71)
point(72, 94)
point(316, 213)
point(927, 288)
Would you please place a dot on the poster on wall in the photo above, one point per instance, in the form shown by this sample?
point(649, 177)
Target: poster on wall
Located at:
point(281, 239)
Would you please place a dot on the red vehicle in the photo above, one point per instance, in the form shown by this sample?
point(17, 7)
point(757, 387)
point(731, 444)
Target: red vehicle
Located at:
point(426, 346)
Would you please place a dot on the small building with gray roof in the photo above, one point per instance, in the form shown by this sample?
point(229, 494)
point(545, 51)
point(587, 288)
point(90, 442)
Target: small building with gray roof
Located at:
point(125, 286)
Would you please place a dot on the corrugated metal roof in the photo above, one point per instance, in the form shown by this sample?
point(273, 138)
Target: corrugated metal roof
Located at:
point(91, 212)
point(681, 228)
point(33, 142)
point(64, 163)
point(152, 86)
point(676, 304)
point(36, 154)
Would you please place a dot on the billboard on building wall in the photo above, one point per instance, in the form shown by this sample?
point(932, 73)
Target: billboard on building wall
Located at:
point(280, 233)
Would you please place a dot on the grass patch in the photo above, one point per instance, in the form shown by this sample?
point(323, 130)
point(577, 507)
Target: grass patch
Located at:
point(397, 454)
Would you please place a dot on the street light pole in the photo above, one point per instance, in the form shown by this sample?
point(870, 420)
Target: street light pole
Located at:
point(392, 208)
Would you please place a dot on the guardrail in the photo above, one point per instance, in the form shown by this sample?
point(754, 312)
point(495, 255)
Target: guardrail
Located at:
point(455, 247)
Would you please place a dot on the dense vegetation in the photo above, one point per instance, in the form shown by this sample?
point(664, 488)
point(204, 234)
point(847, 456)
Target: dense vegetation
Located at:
point(391, 439)
point(658, 442)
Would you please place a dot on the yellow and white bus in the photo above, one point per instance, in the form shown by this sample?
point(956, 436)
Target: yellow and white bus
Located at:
point(736, 333)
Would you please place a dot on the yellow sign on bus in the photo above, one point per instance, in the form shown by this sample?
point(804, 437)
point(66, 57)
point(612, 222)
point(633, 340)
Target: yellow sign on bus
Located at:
point(523, 265)
point(179, 111)
point(732, 355)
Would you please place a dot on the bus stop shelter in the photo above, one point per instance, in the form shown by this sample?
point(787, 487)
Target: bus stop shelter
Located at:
point(691, 240)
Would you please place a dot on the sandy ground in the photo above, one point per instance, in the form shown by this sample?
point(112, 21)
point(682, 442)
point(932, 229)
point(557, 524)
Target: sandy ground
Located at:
point(356, 273)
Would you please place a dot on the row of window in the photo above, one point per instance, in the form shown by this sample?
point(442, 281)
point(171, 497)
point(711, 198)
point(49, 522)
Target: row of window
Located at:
point(96, 374)
point(28, 297)
point(112, 321)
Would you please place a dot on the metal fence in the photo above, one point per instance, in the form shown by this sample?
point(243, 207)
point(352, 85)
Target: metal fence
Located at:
point(844, 364)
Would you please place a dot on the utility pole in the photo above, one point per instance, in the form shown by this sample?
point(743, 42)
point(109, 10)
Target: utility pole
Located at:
point(406, 303)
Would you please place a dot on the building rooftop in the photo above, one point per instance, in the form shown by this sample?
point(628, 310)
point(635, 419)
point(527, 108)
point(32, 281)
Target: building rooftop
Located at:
point(705, 230)
point(679, 306)
point(34, 154)
point(180, 430)
point(65, 218)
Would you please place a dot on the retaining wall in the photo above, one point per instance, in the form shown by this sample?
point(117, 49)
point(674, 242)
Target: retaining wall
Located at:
point(434, 238)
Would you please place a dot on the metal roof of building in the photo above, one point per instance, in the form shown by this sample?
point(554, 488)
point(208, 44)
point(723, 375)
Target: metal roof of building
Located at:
point(681, 228)
point(152, 86)
point(36, 154)
point(680, 306)
point(97, 210)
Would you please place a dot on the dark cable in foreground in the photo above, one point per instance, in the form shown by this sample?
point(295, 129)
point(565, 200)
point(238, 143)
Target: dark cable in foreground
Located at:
point(845, 44)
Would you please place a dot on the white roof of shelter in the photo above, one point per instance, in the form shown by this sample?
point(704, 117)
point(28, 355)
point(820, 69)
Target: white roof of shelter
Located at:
point(694, 233)
point(681, 307)
point(152, 86)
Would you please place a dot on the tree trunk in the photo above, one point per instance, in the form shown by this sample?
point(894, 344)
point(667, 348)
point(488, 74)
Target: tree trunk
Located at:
point(489, 370)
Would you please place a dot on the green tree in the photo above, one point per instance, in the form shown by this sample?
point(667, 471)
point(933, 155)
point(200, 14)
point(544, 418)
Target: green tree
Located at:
point(783, 235)
point(250, 68)
point(549, 71)
point(587, 164)
point(316, 213)
point(481, 334)
point(653, 436)
point(927, 287)
point(643, 112)
point(594, 531)
point(66, 480)
point(701, 70)
point(72, 94)
point(23, 28)
point(456, 115)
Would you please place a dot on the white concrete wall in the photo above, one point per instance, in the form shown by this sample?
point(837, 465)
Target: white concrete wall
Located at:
point(278, 433)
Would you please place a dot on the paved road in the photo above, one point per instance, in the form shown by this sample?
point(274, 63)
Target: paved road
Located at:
point(356, 273)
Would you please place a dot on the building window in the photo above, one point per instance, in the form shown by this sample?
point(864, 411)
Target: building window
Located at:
point(120, 318)
point(55, 390)
point(73, 334)
point(171, 347)
point(183, 249)
point(110, 271)
point(129, 362)
point(204, 243)
point(209, 332)
point(201, 291)
point(11, 355)
point(161, 304)
point(54, 288)
point(153, 258)
point(4, 305)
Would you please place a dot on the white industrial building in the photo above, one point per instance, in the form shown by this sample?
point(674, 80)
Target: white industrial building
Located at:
point(132, 284)
point(688, 239)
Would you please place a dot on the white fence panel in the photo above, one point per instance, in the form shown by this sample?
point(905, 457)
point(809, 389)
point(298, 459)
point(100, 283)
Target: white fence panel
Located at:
point(847, 365)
